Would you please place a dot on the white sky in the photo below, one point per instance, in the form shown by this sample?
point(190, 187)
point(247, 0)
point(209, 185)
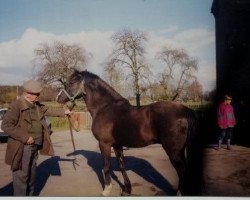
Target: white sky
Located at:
point(180, 23)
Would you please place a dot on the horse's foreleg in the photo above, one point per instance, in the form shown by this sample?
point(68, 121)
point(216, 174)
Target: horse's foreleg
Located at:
point(106, 151)
point(120, 158)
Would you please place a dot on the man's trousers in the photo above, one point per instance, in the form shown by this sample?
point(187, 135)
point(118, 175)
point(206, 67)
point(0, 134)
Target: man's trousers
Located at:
point(24, 179)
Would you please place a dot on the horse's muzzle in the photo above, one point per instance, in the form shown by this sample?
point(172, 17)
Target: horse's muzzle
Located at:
point(62, 97)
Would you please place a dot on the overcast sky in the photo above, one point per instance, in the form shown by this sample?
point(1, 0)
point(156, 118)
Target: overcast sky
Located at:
point(25, 24)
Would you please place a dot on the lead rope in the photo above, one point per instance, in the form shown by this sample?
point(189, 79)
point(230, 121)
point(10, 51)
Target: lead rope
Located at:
point(73, 142)
point(71, 133)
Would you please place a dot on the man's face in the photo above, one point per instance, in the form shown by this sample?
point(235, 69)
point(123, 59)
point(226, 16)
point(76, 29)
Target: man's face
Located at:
point(32, 97)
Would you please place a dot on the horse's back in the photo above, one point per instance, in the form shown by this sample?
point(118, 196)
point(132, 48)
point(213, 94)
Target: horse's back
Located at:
point(170, 110)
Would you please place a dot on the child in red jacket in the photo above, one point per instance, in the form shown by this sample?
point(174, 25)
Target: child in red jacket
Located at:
point(226, 121)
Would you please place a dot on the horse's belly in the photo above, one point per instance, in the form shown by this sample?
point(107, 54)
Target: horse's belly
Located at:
point(139, 144)
point(137, 139)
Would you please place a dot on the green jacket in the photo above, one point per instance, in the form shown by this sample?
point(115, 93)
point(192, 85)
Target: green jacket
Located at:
point(16, 124)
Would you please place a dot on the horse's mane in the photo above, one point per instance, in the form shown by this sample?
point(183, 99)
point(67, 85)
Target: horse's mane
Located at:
point(88, 76)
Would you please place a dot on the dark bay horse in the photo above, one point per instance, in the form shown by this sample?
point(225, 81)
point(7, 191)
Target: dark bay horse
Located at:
point(116, 123)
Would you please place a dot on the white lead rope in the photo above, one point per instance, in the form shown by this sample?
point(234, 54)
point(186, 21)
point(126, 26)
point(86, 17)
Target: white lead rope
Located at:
point(73, 142)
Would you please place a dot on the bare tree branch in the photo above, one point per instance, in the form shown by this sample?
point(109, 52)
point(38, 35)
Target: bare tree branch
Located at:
point(179, 70)
point(57, 61)
point(129, 53)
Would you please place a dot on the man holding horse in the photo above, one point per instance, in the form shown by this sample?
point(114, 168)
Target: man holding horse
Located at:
point(28, 131)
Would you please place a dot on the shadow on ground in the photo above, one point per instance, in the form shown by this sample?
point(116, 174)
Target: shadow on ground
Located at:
point(139, 166)
point(49, 167)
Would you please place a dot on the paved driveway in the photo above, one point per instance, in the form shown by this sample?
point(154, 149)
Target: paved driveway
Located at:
point(226, 173)
point(148, 168)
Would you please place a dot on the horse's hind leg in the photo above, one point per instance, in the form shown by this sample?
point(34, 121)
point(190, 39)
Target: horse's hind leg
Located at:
point(106, 153)
point(178, 161)
point(174, 145)
point(120, 157)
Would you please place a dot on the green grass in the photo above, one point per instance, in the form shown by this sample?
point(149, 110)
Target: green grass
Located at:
point(61, 123)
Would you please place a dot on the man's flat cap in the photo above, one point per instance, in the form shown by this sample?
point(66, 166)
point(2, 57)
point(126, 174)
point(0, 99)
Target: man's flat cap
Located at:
point(32, 86)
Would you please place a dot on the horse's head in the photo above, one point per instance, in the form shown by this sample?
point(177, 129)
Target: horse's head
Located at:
point(74, 89)
point(94, 90)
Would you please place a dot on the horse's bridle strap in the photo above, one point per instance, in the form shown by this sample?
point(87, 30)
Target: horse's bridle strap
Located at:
point(71, 98)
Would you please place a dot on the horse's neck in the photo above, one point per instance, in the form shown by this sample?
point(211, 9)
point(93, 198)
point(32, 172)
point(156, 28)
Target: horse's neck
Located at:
point(102, 96)
point(97, 104)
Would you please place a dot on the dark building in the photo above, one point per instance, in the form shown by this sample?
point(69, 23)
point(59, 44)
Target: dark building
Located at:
point(232, 21)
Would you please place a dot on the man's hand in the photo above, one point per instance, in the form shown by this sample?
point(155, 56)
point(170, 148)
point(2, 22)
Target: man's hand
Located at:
point(67, 112)
point(30, 140)
point(70, 105)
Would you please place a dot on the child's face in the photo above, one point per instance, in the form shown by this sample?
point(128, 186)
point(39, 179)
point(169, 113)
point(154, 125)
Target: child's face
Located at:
point(228, 101)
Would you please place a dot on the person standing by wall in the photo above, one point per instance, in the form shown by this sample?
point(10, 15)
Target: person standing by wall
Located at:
point(26, 125)
point(226, 121)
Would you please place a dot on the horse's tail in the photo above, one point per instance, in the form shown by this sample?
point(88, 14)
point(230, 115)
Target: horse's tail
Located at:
point(194, 155)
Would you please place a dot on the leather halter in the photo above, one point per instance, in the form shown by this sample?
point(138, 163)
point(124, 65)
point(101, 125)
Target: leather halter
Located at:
point(71, 98)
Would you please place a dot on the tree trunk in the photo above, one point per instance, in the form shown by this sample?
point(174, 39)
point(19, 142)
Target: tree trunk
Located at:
point(138, 100)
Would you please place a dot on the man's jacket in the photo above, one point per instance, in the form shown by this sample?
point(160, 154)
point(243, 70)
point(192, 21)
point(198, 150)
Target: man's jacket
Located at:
point(16, 124)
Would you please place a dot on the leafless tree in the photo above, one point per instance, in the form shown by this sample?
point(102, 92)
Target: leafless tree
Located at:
point(57, 61)
point(155, 92)
point(128, 56)
point(194, 91)
point(179, 70)
point(113, 76)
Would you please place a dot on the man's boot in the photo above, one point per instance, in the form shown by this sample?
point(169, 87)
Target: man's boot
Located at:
point(228, 145)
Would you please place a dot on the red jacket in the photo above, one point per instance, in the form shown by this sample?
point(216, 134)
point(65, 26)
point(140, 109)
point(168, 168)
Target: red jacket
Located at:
point(225, 116)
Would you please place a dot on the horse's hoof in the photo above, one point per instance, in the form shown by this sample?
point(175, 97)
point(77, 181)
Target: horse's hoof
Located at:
point(124, 193)
point(107, 190)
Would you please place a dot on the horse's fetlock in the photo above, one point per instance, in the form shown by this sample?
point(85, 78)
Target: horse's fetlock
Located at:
point(126, 192)
point(128, 189)
point(107, 190)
